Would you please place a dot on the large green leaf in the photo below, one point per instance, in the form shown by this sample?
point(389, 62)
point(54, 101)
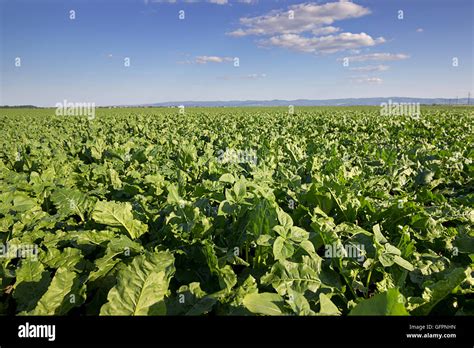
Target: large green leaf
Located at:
point(434, 293)
point(390, 302)
point(70, 258)
point(55, 300)
point(70, 202)
point(120, 215)
point(299, 304)
point(299, 277)
point(22, 203)
point(282, 249)
point(327, 307)
point(264, 303)
point(142, 286)
point(117, 246)
point(31, 283)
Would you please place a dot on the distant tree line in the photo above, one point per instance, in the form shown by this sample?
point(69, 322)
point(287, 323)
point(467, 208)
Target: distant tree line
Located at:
point(18, 106)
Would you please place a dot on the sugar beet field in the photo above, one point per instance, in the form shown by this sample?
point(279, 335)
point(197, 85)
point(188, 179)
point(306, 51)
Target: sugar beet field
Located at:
point(237, 211)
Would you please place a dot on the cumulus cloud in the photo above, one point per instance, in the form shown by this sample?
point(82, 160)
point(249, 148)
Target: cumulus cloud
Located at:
point(299, 18)
point(307, 27)
point(325, 30)
point(323, 44)
point(377, 57)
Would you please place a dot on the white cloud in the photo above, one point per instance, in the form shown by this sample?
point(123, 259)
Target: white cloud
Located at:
point(218, 2)
point(211, 59)
point(419, 30)
point(243, 77)
point(255, 76)
point(368, 68)
point(325, 30)
point(307, 28)
point(369, 80)
point(238, 33)
point(307, 17)
point(377, 57)
point(324, 44)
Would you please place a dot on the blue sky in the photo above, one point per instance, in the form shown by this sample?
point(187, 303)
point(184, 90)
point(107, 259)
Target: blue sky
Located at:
point(173, 59)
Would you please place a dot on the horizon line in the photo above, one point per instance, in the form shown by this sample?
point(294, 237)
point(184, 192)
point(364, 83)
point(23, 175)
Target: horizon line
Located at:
point(175, 102)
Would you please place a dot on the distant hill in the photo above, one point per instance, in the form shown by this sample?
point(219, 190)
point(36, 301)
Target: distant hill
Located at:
point(314, 102)
point(298, 102)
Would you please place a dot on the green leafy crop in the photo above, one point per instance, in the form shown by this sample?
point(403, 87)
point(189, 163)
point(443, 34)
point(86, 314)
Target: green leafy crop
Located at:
point(237, 211)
